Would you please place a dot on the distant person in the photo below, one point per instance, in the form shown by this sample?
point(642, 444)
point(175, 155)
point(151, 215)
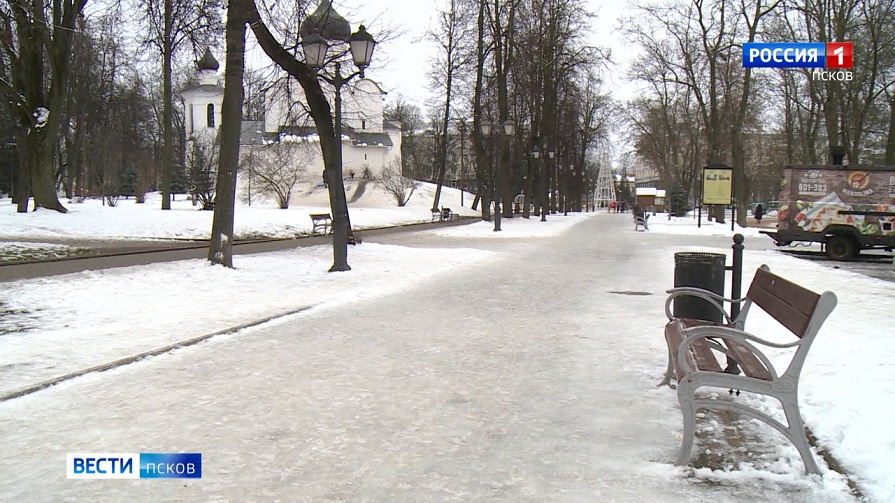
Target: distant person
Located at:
point(759, 212)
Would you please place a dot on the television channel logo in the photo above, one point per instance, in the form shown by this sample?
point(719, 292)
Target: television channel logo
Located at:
point(144, 465)
point(829, 61)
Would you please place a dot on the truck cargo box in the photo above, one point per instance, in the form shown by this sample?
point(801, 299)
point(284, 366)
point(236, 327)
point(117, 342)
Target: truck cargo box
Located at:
point(845, 208)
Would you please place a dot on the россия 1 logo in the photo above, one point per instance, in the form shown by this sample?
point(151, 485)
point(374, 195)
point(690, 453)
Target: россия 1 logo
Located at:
point(830, 61)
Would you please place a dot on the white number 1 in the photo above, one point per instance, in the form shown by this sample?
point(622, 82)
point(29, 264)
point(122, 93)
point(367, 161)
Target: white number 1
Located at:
point(838, 52)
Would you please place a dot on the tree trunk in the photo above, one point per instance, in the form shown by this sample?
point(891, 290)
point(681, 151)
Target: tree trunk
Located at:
point(478, 143)
point(220, 250)
point(890, 141)
point(39, 150)
point(168, 98)
point(323, 118)
point(22, 190)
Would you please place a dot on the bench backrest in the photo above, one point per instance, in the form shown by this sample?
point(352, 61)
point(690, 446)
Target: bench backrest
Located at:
point(795, 307)
point(790, 304)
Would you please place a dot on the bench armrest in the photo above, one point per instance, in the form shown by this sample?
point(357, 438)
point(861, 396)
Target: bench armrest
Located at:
point(709, 296)
point(733, 334)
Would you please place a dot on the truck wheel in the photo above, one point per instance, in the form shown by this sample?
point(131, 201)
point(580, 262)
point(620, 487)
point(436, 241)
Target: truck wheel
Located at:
point(840, 248)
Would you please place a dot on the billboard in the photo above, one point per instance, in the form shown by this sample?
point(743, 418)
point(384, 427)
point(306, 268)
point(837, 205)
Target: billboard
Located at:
point(717, 184)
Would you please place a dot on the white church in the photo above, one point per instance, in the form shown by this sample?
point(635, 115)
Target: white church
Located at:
point(369, 142)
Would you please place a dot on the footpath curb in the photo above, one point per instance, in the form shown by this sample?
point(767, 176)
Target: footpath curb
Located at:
point(146, 354)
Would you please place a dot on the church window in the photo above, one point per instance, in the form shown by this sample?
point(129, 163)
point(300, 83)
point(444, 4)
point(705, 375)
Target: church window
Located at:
point(210, 115)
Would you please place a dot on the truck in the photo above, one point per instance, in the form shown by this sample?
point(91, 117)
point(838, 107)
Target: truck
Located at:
point(846, 209)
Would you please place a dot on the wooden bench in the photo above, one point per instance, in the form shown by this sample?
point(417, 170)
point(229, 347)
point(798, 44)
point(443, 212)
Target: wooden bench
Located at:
point(641, 221)
point(444, 214)
point(447, 214)
point(695, 345)
point(321, 221)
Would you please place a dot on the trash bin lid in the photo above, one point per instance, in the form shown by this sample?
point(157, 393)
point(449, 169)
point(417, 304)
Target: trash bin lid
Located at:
point(699, 258)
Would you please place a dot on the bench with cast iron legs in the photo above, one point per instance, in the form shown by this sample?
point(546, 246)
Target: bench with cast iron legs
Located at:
point(641, 221)
point(695, 345)
point(321, 221)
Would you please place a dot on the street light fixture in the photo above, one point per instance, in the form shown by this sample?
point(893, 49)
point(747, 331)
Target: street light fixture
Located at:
point(319, 31)
point(509, 127)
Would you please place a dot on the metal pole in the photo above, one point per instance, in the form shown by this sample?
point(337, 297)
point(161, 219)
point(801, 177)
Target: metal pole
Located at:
point(736, 286)
point(341, 226)
point(565, 190)
point(251, 168)
point(462, 164)
point(497, 215)
point(736, 282)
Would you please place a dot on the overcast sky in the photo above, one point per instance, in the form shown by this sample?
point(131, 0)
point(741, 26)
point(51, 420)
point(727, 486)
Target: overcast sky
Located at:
point(401, 64)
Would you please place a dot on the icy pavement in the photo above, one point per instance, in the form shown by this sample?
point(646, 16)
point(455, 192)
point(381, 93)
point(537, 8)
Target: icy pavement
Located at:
point(527, 376)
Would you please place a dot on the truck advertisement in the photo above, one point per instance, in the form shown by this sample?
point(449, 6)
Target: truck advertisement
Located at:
point(846, 209)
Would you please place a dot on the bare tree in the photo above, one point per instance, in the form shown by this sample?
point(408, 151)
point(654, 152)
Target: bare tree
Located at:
point(398, 186)
point(220, 249)
point(320, 111)
point(172, 23)
point(453, 27)
point(413, 151)
point(202, 164)
point(35, 43)
point(276, 168)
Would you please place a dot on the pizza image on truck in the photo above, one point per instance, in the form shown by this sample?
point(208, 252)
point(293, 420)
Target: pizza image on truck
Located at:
point(844, 208)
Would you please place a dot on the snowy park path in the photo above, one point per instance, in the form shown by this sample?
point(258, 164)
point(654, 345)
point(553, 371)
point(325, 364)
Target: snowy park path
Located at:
point(528, 376)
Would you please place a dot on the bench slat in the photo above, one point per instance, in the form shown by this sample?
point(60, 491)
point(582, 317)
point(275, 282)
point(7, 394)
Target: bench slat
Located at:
point(320, 221)
point(748, 362)
point(699, 355)
point(790, 304)
point(707, 360)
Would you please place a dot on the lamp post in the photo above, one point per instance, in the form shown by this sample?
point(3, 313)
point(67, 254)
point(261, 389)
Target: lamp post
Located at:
point(547, 189)
point(565, 188)
point(539, 202)
point(486, 128)
point(462, 127)
point(251, 168)
point(320, 30)
point(509, 127)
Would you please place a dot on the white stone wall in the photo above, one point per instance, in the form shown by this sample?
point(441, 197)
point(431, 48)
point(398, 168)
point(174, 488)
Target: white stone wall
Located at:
point(363, 104)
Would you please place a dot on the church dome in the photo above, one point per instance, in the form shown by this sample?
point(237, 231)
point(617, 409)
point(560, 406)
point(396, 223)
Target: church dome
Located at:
point(208, 62)
point(327, 22)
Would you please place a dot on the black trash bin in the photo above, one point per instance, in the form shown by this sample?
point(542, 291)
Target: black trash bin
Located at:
point(702, 270)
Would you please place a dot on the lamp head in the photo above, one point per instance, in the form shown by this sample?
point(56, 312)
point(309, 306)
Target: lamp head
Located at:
point(509, 127)
point(361, 44)
point(315, 48)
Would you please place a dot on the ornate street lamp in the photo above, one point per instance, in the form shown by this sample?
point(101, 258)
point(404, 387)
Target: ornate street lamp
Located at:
point(322, 29)
point(462, 127)
point(486, 127)
point(565, 188)
point(509, 127)
point(541, 207)
point(551, 194)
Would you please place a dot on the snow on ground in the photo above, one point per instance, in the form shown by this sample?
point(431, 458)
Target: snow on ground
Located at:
point(370, 207)
point(56, 325)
